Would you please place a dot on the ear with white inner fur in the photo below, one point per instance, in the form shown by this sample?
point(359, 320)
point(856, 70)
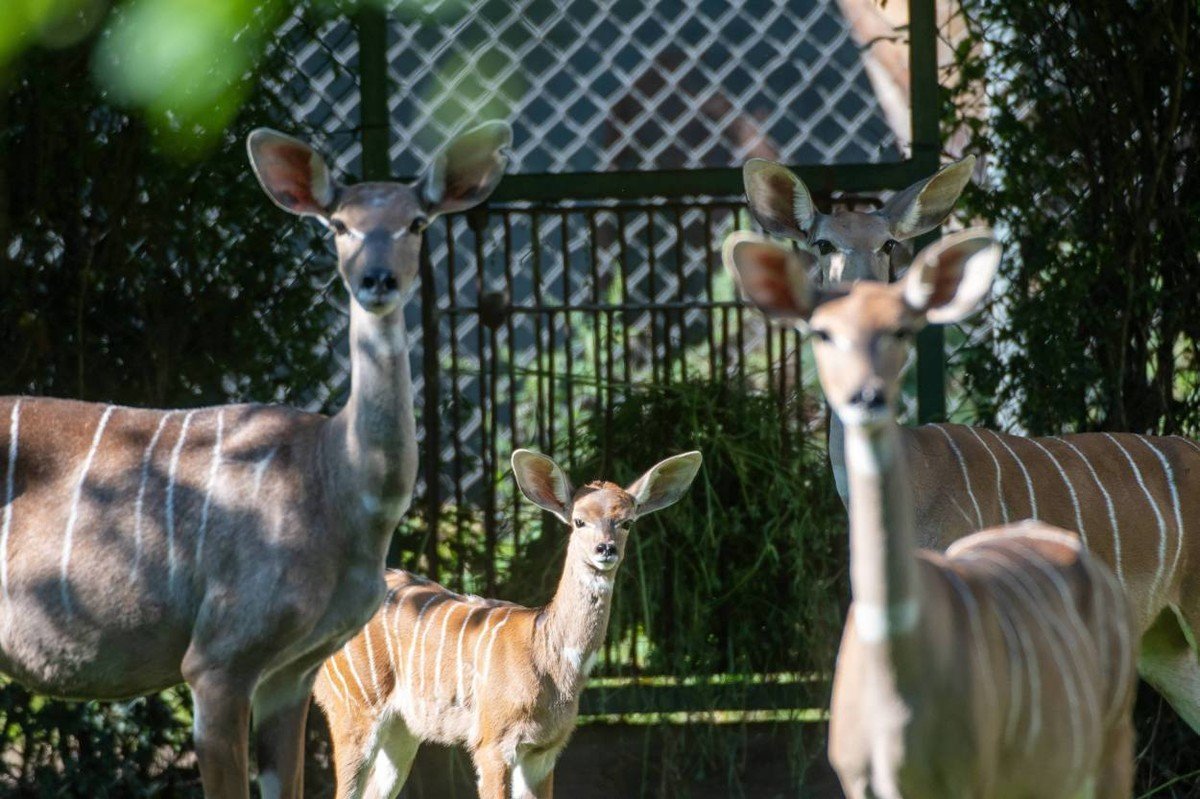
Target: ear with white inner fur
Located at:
point(772, 277)
point(543, 483)
point(467, 169)
point(923, 205)
point(293, 174)
point(778, 199)
point(665, 483)
point(949, 278)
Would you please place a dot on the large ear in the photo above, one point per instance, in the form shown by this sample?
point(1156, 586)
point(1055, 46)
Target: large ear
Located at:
point(778, 199)
point(949, 278)
point(467, 169)
point(665, 483)
point(543, 483)
point(772, 277)
point(923, 205)
point(293, 174)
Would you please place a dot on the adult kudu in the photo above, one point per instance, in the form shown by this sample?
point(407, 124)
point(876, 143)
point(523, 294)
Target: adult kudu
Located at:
point(233, 547)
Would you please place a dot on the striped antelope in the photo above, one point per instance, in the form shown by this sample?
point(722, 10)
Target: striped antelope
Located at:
point(233, 547)
point(501, 679)
point(1005, 667)
point(1128, 496)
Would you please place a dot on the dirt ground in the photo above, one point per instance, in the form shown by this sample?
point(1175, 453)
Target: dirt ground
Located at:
point(615, 761)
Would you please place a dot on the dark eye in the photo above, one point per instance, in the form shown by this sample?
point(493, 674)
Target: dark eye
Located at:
point(418, 225)
point(902, 334)
point(578, 523)
point(888, 246)
point(338, 226)
point(625, 524)
point(820, 335)
point(824, 246)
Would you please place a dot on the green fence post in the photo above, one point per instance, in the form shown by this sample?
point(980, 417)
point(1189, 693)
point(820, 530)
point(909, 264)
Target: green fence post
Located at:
point(373, 95)
point(926, 153)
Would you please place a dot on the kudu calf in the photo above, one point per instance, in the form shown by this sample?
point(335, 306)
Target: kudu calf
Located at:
point(501, 679)
point(233, 547)
point(1003, 668)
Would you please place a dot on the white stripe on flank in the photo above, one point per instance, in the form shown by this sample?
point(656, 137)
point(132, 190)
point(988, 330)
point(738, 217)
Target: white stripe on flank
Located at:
point(332, 663)
point(1169, 474)
point(371, 657)
point(329, 680)
point(437, 662)
point(213, 465)
point(397, 597)
point(1112, 512)
point(260, 469)
point(175, 451)
point(1024, 471)
point(147, 459)
point(1036, 608)
point(962, 466)
point(14, 429)
point(461, 697)
point(978, 640)
point(69, 533)
point(1189, 442)
point(424, 642)
point(416, 635)
point(1162, 523)
point(996, 463)
point(1070, 489)
point(487, 665)
point(479, 643)
point(354, 673)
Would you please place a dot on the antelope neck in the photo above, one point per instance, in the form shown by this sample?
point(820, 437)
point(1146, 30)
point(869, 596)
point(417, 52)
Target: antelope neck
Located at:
point(883, 578)
point(371, 442)
point(574, 623)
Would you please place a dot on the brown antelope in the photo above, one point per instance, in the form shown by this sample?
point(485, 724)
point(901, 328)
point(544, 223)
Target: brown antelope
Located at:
point(501, 679)
point(1128, 496)
point(1005, 667)
point(233, 547)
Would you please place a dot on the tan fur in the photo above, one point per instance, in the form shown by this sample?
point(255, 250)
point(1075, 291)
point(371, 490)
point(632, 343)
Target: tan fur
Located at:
point(233, 547)
point(502, 680)
point(1003, 668)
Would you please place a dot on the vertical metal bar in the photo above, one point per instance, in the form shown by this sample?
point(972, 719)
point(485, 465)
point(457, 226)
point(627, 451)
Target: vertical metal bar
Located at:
point(431, 417)
point(477, 221)
point(626, 315)
point(513, 422)
point(372, 90)
point(535, 245)
point(455, 404)
point(652, 297)
point(931, 359)
point(709, 294)
point(596, 319)
point(568, 336)
point(681, 317)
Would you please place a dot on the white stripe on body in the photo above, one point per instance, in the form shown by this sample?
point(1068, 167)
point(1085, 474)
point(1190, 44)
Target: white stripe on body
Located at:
point(962, 466)
point(1169, 475)
point(1112, 512)
point(978, 640)
point(175, 452)
point(996, 463)
point(14, 429)
point(1070, 489)
point(416, 635)
point(371, 658)
point(1056, 640)
point(213, 466)
point(424, 643)
point(437, 663)
point(487, 665)
point(260, 469)
point(139, 504)
point(1028, 481)
point(341, 678)
point(461, 696)
point(73, 515)
point(487, 619)
point(362, 687)
point(1162, 525)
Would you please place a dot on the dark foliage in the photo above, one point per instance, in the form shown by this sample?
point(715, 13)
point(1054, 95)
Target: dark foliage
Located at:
point(1091, 131)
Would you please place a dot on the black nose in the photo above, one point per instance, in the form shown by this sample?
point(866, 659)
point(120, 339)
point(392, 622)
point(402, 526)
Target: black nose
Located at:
point(379, 281)
point(870, 396)
point(606, 549)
